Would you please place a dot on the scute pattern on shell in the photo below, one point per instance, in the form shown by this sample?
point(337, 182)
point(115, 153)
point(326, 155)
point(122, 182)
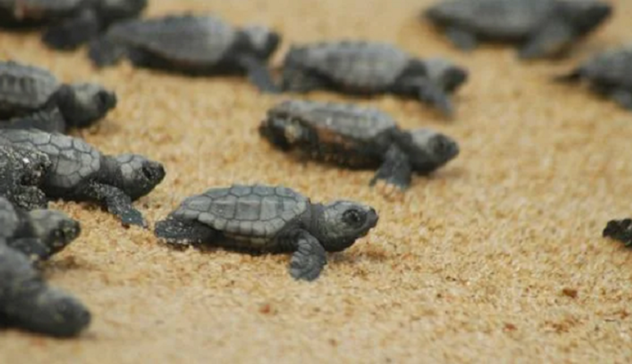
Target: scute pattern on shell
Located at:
point(509, 18)
point(25, 86)
point(613, 67)
point(72, 158)
point(371, 65)
point(249, 211)
point(357, 122)
point(188, 38)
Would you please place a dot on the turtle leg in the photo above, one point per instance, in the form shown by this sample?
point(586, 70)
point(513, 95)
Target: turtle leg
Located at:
point(178, 233)
point(620, 230)
point(395, 170)
point(428, 92)
point(462, 39)
point(309, 257)
point(115, 201)
point(73, 32)
point(258, 74)
point(623, 97)
point(549, 41)
point(32, 248)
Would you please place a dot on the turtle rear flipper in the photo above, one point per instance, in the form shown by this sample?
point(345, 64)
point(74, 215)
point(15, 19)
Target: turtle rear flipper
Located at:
point(104, 52)
point(73, 32)
point(309, 258)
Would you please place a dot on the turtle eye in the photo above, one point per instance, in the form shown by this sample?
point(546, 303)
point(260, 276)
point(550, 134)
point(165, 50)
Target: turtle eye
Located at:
point(353, 217)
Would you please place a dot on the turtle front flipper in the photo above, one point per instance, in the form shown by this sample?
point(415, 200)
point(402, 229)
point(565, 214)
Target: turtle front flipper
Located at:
point(73, 32)
point(258, 74)
point(116, 202)
point(395, 170)
point(432, 94)
point(550, 41)
point(32, 248)
point(178, 233)
point(309, 259)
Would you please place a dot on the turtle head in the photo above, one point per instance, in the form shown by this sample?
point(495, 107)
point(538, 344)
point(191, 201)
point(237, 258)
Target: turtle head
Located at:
point(585, 15)
point(54, 312)
point(82, 104)
point(54, 228)
point(137, 175)
point(261, 40)
point(343, 222)
point(429, 150)
point(445, 74)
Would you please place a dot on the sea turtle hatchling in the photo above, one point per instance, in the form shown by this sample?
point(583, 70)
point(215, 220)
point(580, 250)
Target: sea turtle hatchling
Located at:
point(609, 74)
point(28, 302)
point(71, 23)
point(21, 173)
point(544, 28)
point(190, 44)
point(357, 137)
point(38, 233)
point(361, 67)
point(79, 172)
point(26, 89)
point(269, 219)
point(620, 230)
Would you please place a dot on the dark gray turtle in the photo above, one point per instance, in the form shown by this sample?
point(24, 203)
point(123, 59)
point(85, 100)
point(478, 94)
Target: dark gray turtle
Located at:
point(360, 67)
point(357, 137)
point(21, 173)
point(71, 22)
point(27, 302)
point(190, 44)
point(39, 233)
point(269, 219)
point(81, 173)
point(544, 28)
point(27, 89)
point(620, 230)
point(608, 74)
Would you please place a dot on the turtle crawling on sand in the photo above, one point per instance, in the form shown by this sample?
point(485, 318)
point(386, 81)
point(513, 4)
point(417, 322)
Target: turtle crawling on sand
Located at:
point(79, 172)
point(620, 230)
point(543, 28)
point(38, 233)
point(269, 219)
point(364, 68)
point(26, 89)
point(357, 137)
point(27, 302)
point(21, 173)
point(190, 44)
point(71, 22)
point(608, 74)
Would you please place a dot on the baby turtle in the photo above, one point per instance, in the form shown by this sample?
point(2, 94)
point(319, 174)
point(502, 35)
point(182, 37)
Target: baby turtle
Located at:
point(25, 89)
point(28, 302)
point(72, 22)
point(39, 233)
point(190, 44)
point(79, 172)
point(359, 67)
point(544, 28)
point(620, 230)
point(609, 74)
point(269, 219)
point(357, 137)
point(21, 173)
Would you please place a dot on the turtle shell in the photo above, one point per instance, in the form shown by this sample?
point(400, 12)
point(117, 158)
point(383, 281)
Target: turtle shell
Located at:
point(24, 87)
point(9, 220)
point(255, 212)
point(187, 39)
point(493, 18)
point(356, 64)
point(73, 160)
point(336, 120)
point(611, 68)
